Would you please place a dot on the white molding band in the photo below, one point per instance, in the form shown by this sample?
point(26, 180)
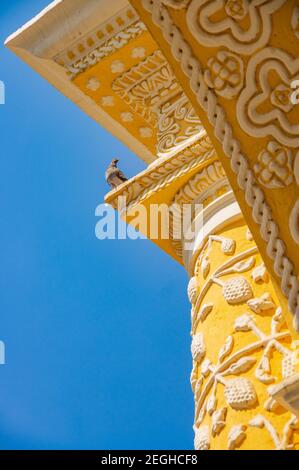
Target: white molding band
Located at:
point(217, 216)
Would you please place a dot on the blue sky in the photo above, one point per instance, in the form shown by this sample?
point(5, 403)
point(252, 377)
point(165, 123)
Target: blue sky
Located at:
point(96, 332)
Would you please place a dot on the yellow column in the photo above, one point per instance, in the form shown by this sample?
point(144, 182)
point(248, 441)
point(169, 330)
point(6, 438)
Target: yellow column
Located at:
point(241, 346)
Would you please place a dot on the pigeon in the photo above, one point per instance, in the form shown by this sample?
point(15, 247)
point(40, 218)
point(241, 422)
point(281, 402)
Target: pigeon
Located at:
point(114, 176)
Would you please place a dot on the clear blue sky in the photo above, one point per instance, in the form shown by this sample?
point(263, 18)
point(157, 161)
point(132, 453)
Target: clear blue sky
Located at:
point(96, 332)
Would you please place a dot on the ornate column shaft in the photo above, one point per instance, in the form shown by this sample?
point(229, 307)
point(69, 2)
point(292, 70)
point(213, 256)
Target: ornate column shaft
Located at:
point(241, 345)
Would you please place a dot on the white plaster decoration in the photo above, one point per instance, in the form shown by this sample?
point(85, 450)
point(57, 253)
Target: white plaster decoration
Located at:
point(260, 421)
point(77, 62)
point(261, 304)
point(197, 186)
point(145, 132)
point(236, 290)
point(240, 266)
point(211, 404)
point(283, 442)
point(177, 4)
point(215, 216)
point(138, 53)
point(243, 323)
point(287, 393)
point(249, 236)
point(204, 186)
point(236, 436)
point(228, 31)
point(83, 31)
point(237, 9)
point(263, 370)
point(281, 97)
point(257, 422)
point(178, 124)
point(193, 289)
point(274, 167)
point(278, 321)
point(225, 74)
point(228, 245)
point(145, 83)
point(207, 99)
point(202, 438)
point(296, 168)
point(271, 405)
point(107, 101)
point(274, 121)
point(161, 174)
point(289, 365)
point(97, 32)
point(194, 381)
point(127, 117)
point(198, 387)
point(205, 267)
point(294, 222)
point(205, 367)
point(295, 21)
point(93, 84)
point(226, 348)
point(205, 310)
point(288, 435)
point(260, 274)
point(218, 421)
point(240, 393)
point(242, 365)
point(234, 265)
point(117, 66)
point(198, 348)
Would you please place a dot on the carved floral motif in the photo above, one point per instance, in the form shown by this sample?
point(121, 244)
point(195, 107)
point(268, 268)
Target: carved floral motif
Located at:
point(225, 74)
point(233, 363)
point(295, 21)
point(264, 106)
point(227, 29)
point(274, 167)
point(236, 436)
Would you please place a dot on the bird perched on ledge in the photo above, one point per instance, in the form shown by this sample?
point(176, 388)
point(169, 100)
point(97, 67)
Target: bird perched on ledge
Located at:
point(114, 176)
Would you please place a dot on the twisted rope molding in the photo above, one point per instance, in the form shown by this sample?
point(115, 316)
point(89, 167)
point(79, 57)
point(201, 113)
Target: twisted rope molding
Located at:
point(254, 195)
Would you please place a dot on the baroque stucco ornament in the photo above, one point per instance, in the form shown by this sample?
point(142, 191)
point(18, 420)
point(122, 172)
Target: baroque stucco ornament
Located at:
point(207, 99)
point(239, 369)
point(275, 120)
point(227, 30)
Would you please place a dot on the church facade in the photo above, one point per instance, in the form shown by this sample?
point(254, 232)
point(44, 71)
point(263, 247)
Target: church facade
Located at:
point(202, 91)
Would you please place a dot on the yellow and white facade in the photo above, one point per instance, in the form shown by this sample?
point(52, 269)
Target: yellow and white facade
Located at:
point(213, 136)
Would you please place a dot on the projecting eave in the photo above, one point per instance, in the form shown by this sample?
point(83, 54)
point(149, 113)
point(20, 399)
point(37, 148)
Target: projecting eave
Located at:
point(158, 184)
point(56, 28)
